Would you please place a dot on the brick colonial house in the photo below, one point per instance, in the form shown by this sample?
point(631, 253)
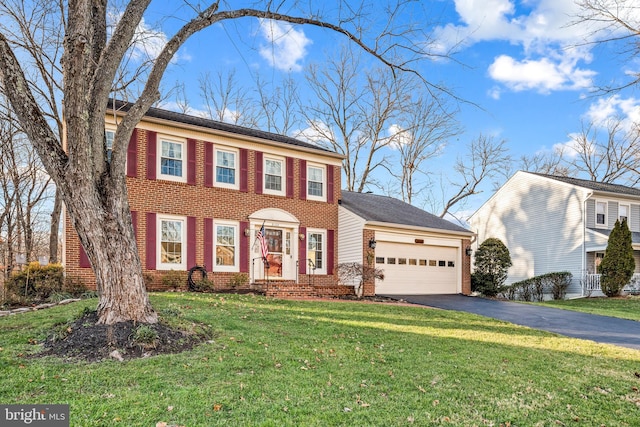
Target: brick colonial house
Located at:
point(200, 191)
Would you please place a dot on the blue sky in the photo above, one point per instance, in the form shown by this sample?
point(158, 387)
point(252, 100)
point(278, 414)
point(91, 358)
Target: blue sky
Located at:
point(524, 66)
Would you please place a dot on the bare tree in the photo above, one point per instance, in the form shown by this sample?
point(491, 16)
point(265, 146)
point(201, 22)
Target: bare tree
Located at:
point(425, 128)
point(613, 22)
point(352, 110)
point(93, 186)
point(37, 29)
point(549, 163)
point(611, 158)
point(486, 158)
point(225, 100)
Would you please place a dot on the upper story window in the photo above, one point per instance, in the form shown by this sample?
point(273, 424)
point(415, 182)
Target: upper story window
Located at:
point(109, 135)
point(226, 168)
point(315, 182)
point(226, 241)
point(171, 160)
point(623, 213)
point(601, 213)
point(274, 176)
point(316, 250)
point(172, 234)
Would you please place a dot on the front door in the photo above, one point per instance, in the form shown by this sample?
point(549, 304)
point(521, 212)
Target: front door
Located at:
point(274, 258)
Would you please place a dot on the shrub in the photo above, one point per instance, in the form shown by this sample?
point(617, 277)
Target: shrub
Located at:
point(492, 260)
point(618, 265)
point(174, 279)
point(239, 280)
point(202, 285)
point(36, 282)
point(535, 288)
point(74, 286)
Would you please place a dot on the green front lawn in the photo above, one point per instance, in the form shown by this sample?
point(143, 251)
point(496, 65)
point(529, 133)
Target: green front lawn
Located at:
point(622, 307)
point(302, 363)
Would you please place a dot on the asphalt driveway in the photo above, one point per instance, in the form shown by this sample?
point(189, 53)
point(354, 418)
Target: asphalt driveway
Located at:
point(602, 329)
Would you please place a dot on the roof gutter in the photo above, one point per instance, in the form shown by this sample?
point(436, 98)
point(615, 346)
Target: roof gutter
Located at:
point(418, 228)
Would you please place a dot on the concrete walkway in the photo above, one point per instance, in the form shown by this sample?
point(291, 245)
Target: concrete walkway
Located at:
point(602, 329)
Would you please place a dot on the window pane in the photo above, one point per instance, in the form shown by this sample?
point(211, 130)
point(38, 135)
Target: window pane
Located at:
point(273, 167)
point(171, 242)
point(272, 182)
point(226, 159)
point(225, 245)
point(225, 175)
point(171, 159)
point(315, 174)
point(315, 188)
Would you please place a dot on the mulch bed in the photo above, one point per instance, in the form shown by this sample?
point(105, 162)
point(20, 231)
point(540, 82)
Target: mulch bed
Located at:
point(86, 340)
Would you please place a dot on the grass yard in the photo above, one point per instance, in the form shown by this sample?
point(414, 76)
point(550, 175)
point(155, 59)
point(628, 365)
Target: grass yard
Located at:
point(303, 363)
point(622, 307)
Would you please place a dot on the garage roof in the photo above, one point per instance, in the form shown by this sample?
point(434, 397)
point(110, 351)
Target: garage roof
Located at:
point(372, 207)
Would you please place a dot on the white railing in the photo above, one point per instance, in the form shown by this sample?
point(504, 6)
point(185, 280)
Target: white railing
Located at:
point(591, 283)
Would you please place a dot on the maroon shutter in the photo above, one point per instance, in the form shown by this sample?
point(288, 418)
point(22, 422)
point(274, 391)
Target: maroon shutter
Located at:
point(303, 179)
point(302, 251)
point(134, 221)
point(132, 155)
point(289, 166)
point(244, 170)
point(208, 164)
point(208, 243)
point(152, 147)
point(330, 251)
point(84, 259)
point(191, 241)
point(244, 248)
point(259, 157)
point(191, 162)
point(330, 172)
point(151, 241)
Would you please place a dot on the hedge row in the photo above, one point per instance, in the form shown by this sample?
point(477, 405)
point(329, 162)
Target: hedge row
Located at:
point(36, 283)
point(533, 289)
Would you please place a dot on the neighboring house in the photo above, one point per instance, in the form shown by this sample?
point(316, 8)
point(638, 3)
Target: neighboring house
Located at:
point(419, 253)
point(551, 224)
point(200, 190)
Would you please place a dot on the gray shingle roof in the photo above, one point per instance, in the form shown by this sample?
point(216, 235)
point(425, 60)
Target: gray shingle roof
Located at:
point(596, 186)
point(372, 207)
point(219, 126)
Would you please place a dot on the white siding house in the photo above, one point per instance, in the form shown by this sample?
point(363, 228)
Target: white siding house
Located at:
point(551, 224)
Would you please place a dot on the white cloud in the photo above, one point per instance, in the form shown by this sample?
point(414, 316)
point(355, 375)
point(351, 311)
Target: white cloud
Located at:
point(614, 107)
point(286, 47)
point(398, 137)
point(317, 133)
point(543, 29)
point(543, 75)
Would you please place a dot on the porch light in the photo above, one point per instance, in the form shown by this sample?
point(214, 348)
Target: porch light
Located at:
point(247, 232)
point(372, 243)
point(301, 236)
point(468, 251)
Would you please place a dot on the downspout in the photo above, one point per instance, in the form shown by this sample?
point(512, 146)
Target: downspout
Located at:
point(584, 239)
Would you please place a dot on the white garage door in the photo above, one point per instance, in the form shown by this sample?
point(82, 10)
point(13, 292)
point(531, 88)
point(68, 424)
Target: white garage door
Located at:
point(416, 269)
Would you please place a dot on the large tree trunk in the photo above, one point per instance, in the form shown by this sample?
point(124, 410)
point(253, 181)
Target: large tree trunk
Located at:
point(103, 223)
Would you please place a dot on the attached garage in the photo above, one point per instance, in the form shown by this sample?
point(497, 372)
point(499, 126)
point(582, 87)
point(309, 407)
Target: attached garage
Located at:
point(417, 269)
point(418, 252)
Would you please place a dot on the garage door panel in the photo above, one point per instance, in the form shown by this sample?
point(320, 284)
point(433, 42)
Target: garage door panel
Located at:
point(413, 269)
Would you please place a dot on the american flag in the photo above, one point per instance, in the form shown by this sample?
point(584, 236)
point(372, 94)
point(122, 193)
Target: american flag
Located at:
point(264, 248)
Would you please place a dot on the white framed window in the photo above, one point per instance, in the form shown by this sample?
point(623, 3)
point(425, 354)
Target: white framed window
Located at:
point(601, 213)
point(274, 176)
point(317, 251)
point(226, 249)
point(623, 213)
point(109, 134)
point(226, 168)
point(172, 234)
point(316, 177)
point(172, 156)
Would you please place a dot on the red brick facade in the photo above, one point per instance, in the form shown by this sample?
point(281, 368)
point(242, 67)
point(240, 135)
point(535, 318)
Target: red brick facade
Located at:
point(202, 204)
